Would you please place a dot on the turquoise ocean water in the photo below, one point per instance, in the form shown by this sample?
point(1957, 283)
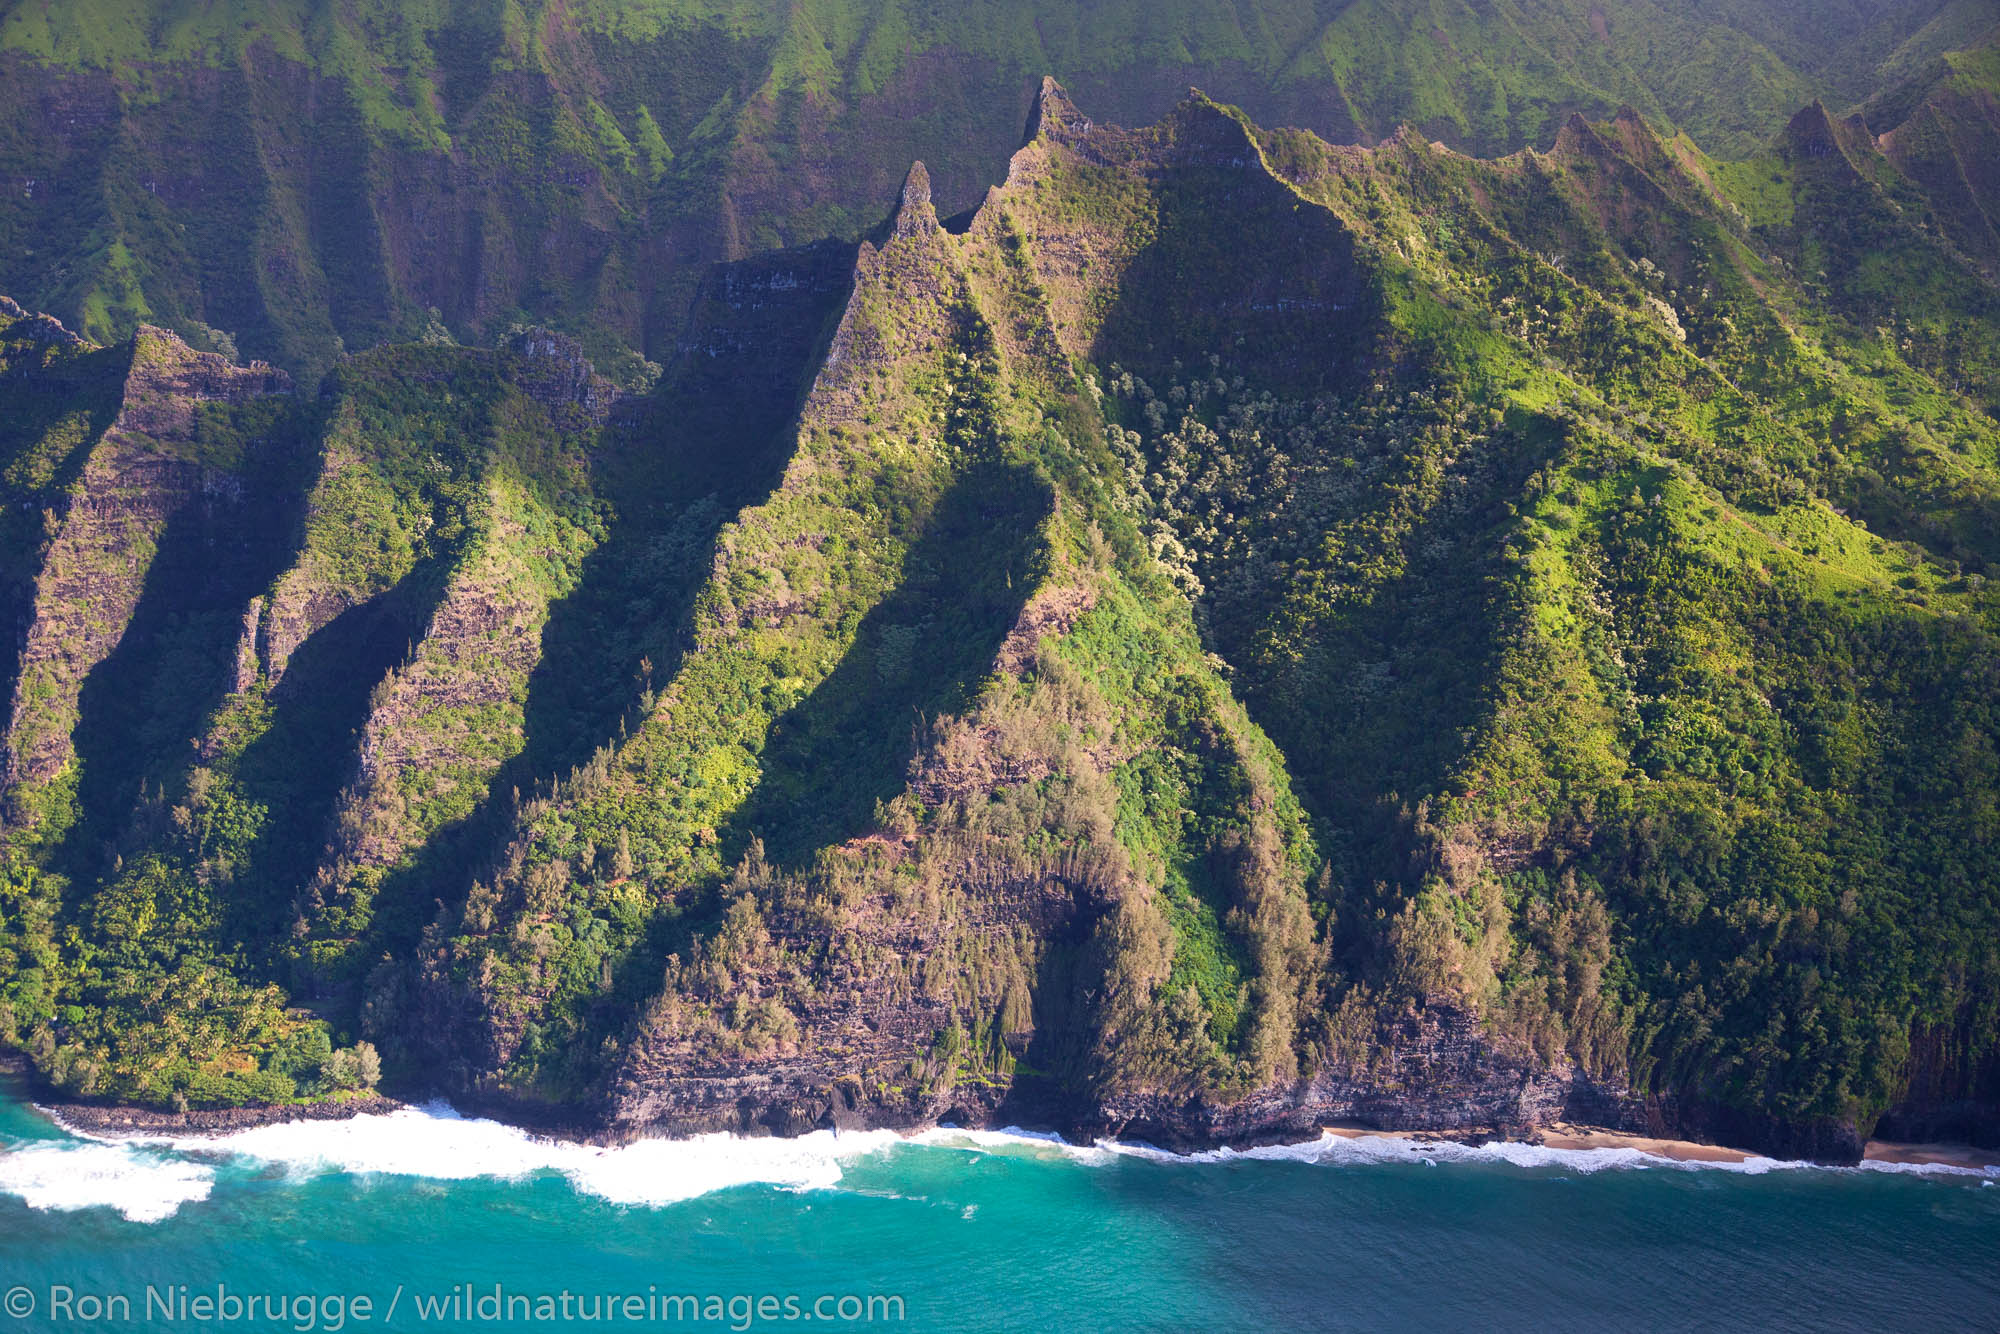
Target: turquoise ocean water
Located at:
point(382, 1223)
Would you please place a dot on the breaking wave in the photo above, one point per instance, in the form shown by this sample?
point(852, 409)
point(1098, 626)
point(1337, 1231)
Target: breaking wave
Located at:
point(144, 1184)
point(1336, 1150)
point(147, 1180)
point(436, 1142)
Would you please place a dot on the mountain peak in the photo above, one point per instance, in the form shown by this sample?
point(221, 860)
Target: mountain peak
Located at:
point(1812, 131)
point(1054, 115)
point(34, 325)
point(1199, 446)
point(1579, 137)
point(916, 213)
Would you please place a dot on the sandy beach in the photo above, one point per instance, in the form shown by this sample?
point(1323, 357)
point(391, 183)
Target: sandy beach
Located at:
point(1566, 1136)
point(1947, 1155)
point(1563, 1136)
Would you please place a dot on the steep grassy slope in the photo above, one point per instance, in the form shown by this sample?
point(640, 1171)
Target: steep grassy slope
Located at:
point(168, 478)
point(1943, 133)
point(296, 180)
point(1743, 521)
point(276, 755)
point(1235, 631)
point(62, 395)
point(1411, 471)
point(763, 869)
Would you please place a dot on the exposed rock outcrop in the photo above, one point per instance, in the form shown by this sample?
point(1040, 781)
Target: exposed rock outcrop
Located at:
point(102, 1119)
point(1445, 1076)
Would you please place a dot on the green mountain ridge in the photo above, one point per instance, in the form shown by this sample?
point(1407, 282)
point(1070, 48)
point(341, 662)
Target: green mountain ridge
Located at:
point(1235, 632)
point(303, 180)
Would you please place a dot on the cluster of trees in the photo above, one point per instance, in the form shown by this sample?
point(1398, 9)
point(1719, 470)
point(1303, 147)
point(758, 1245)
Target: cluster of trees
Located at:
point(1168, 725)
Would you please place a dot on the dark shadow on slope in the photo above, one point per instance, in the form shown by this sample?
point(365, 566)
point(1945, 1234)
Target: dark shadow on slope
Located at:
point(1378, 714)
point(141, 709)
point(33, 402)
point(1240, 268)
point(921, 652)
point(1379, 706)
point(829, 760)
point(1371, 712)
point(1053, 1075)
point(342, 225)
point(714, 441)
point(304, 759)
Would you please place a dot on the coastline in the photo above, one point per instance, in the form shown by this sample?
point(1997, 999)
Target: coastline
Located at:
point(1933, 1154)
point(113, 1119)
point(100, 1120)
point(126, 1119)
point(1565, 1135)
point(113, 1122)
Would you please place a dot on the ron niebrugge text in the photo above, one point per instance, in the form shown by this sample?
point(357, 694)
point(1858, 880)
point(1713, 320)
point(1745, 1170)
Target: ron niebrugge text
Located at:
point(476, 1303)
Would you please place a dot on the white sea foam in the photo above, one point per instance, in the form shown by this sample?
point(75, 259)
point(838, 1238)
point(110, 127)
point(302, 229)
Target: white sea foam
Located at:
point(437, 1143)
point(145, 1185)
point(147, 1180)
point(1020, 1143)
point(1338, 1149)
point(1331, 1150)
point(662, 1171)
point(1991, 1174)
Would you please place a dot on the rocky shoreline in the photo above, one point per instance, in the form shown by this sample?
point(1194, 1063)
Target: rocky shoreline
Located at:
point(120, 1119)
point(102, 1119)
point(92, 1117)
point(1470, 1099)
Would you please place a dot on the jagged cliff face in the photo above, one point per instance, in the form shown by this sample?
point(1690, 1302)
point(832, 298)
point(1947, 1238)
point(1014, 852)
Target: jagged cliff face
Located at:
point(302, 186)
point(1236, 632)
point(155, 483)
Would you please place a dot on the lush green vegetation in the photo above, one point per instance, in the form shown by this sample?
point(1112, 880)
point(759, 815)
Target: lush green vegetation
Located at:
point(1235, 594)
point(417, 166)
point(1602, 511)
